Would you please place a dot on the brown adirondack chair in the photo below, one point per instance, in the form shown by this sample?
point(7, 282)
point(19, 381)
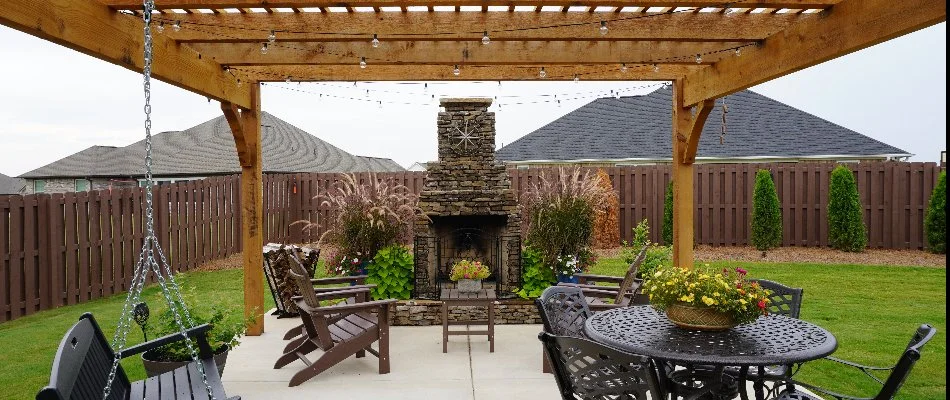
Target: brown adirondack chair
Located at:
point(340, 330)
point(622, 295)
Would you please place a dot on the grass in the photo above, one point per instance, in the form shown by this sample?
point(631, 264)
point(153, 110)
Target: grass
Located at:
point(872, 310)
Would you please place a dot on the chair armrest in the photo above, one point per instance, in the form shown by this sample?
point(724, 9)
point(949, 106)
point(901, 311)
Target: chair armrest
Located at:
point(602, 294)
point(355, 307)
point(342, 294)
point(358, 279)
point(585, 278)
point(583, 286)
point(196, 332)
point(858, 366)
point(827, 392)
point(339, 288)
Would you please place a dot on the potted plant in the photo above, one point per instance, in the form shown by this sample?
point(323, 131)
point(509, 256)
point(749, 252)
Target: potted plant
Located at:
point(703, 299)
point(222, 337)
point(353, 265)
point(468, 275)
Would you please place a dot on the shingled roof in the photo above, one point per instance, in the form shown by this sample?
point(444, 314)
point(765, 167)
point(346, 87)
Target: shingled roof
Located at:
point(10, 185)
point(638, 128)
point(208, 149)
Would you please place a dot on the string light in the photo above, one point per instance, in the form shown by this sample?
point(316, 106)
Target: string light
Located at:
point(227, 69)
point(271, 37)
point(239, 82)
point(380, 104)
point(603, 28)
point(617, 94)
point(375, 41)
point(623, 67)
point(656, 68)
point(362, 65)
point(425, 88)
point(161, 27)
point(288, 79)
point(264, 48)
point(738, 51)
point(367, 92)
point(542, 74)
point(456, 71)
point(177, 26)
point(576, 78)
point(485, 39)
point(699, 59)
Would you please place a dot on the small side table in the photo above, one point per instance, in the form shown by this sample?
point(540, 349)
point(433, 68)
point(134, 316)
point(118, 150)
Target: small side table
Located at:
point(482, 298)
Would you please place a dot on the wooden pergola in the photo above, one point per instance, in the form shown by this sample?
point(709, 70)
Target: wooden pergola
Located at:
point(707, 48)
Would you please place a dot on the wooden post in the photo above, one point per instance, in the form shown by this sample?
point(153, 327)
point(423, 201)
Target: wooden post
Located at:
point(246, 128)
point(687, 128)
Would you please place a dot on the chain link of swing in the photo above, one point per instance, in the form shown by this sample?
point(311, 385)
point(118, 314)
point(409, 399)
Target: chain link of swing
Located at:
point(147, 258)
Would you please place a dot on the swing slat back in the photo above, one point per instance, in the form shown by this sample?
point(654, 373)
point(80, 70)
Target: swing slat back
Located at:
point(82, 364)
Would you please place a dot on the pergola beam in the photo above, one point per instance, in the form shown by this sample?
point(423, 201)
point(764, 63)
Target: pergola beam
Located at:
point(185, 4)
point(274, 73)
point(98, 31)
point(850, 26)
point(502, 26)
point(449, 53)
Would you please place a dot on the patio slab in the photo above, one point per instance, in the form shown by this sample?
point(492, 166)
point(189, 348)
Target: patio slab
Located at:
point(419, 368)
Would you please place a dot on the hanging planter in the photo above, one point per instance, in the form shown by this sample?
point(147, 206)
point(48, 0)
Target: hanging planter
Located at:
point(155, 365)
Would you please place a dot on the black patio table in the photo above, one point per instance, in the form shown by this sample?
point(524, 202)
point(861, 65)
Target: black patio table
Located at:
point(770, 340)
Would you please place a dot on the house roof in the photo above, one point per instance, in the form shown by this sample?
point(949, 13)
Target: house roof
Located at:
point(639, 128)
point(208, 149)
point(10, 185)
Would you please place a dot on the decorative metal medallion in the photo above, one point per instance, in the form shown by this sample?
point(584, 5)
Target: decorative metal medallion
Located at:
point(466, 140)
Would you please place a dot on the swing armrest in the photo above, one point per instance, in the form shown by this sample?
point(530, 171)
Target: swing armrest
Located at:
point(197, 332)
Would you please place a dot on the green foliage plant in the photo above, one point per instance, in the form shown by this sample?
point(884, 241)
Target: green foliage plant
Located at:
point(766, 213)
point(391, 272)
point(465, 269)
point(726, 291)
point(668, 215)
point(656, 256)
point(226, 329)
point(846, 230)
point(535, 276)
point(935, 223)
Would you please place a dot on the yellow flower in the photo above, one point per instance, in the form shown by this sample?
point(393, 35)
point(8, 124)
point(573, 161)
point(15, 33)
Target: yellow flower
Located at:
point(743, 301)
point(657, 274)
point(708, 301)
point(715, 294)
point(703, 276)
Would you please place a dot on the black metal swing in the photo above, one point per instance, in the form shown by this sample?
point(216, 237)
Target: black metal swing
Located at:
point(86, 367)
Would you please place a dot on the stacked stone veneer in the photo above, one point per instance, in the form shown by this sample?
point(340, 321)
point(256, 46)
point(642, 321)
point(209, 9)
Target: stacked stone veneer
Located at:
point(425, 312)
point(468, 182)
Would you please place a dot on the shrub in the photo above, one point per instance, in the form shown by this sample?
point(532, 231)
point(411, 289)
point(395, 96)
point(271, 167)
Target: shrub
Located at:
point(846, 229)
point(766, 213)
point(935, 223)
point(535, 276)
point(558, 214)
point(391, 272)
point(668, 215)
point(226, 328)
point(656, 255)
point(365, 217)
point(607, 220)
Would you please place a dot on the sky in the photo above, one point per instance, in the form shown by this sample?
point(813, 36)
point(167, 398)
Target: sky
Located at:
point(55, 102)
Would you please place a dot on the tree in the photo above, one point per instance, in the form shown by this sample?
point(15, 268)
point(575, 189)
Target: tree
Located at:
point(846, 230)
point(668, 215)
point(607, 219)
point(935, 223)
point(766, 213)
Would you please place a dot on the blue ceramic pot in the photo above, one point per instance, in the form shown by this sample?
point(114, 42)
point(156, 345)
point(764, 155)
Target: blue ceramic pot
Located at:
point(564, 278)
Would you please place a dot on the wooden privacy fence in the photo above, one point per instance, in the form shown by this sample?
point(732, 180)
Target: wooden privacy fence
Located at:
point(68, 248)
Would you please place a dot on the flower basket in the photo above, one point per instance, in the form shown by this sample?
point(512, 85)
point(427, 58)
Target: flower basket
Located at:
point(701, 318)
point(469, 285)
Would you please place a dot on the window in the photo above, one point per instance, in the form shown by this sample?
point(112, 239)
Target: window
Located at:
point(39, 186)
point(82, 185)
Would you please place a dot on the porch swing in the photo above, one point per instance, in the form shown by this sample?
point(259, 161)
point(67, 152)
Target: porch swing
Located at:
point(81, 368)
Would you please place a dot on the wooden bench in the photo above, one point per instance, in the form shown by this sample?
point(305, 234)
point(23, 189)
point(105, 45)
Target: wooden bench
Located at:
point(82, 364)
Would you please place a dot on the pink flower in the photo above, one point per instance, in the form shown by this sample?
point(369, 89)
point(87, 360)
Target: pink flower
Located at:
point(762, 304)
point(741, 271)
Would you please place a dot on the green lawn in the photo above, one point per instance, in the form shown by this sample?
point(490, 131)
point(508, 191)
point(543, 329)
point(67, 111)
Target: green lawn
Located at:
point(871, 310)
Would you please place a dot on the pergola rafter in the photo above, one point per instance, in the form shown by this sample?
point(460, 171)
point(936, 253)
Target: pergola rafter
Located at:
point(218, 48)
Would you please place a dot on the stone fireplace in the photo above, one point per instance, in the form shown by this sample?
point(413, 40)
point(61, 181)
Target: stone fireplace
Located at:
point(472, 210)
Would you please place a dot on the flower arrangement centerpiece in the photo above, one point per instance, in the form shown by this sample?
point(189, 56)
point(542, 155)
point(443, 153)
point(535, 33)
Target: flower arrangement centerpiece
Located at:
point(468, 275)
point(703, 299)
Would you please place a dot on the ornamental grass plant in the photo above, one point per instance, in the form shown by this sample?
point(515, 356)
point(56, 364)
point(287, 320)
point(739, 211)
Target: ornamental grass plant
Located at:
point(725, 290)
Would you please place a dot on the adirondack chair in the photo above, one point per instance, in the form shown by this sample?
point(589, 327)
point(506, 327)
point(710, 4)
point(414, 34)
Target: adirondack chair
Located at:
point(82, 364)
point(622, 295)
point(340, 330)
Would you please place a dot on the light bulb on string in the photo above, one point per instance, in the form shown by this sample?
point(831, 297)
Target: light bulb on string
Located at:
point(362, 65)
point(161, 27)
point(623, 67)
point(264, 48)
point(577, 78)
point(656, 68)
point(456, 71)
point(375, 41)
point(542, 74)
point(425, 87)
point(558, 103)
point(699, 59)
point(271, 37)
point(367, 92)
point(288, 79)
point(380, 104)
point(177, 26)
point(485, 39)
point(603, 28)
point(738, 51)
point(617, 94)
point(239, 82)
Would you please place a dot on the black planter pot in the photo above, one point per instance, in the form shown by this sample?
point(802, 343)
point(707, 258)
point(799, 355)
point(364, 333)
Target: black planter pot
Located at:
point(155, 368)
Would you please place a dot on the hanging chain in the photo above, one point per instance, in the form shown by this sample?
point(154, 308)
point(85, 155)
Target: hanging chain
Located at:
point(147, 260)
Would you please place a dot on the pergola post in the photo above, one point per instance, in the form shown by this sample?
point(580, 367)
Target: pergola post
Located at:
point(246, 128)
point(687, 128)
